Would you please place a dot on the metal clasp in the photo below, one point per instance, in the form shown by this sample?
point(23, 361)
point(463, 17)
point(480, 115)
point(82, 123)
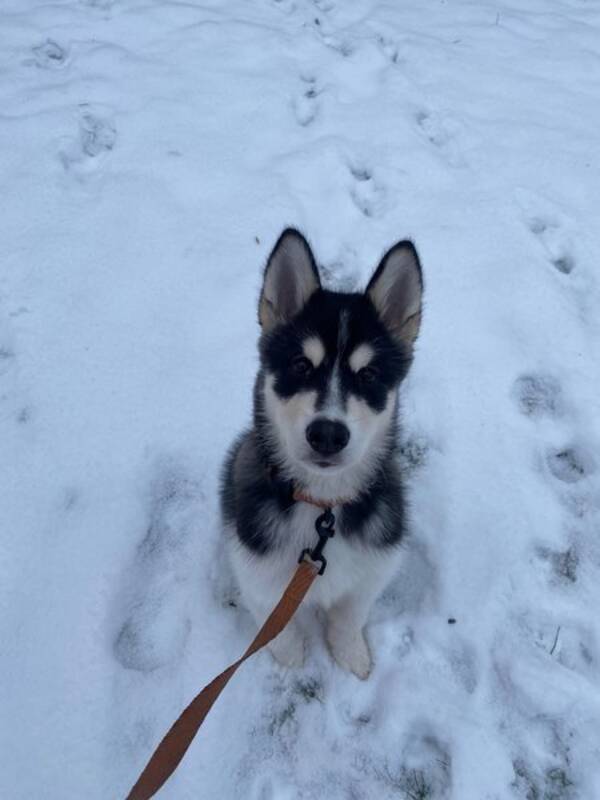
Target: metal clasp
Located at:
point(324, 525)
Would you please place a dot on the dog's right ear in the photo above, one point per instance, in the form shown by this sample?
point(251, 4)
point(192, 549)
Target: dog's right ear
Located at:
point(290, 278)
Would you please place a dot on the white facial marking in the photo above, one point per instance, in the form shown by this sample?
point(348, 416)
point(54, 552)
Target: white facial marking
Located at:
point(314, 350)
point(361, 357)
point(290, 417)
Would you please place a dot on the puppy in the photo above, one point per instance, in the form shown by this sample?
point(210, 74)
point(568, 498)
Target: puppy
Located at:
point(325, 425)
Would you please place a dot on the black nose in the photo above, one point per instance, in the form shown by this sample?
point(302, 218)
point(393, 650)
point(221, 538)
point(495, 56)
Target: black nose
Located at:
point(327, 437)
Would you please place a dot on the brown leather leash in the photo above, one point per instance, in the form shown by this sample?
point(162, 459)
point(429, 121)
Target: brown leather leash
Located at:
point(172, 748)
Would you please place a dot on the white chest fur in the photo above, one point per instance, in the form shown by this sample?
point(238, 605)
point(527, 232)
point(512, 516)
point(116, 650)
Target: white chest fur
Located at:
point(351, 567)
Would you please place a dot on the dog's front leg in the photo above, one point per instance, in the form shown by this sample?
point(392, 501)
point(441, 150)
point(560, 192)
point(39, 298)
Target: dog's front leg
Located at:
point(346, 620)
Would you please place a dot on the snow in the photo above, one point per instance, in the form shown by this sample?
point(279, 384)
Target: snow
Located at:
point(150, 154)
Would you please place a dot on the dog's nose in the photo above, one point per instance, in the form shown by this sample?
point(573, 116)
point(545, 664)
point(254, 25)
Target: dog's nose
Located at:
point(327, 436)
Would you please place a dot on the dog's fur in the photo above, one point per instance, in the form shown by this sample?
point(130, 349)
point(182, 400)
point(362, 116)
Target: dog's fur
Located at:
point(323, 356)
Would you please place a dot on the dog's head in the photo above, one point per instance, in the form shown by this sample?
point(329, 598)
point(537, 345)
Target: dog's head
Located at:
point(332, 361)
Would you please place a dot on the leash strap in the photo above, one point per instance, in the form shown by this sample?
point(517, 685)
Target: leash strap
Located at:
point(173, 747)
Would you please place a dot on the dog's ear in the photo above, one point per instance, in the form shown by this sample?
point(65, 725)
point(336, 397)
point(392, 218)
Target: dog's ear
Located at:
point(396, 289)
point(290, 278)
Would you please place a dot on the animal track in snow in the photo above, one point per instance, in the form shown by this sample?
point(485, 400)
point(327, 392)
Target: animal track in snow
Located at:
point(413, 454)
point(97, 137)
point(344, 47)
point(6, 358)
point(49, 55)
point(157, 621)
point(305, 104)
point(343, 273)
point(570, 464)
point(71, 497)
point(367, 194)
point(424, 769)
point(24, 415)
point(555, 242)
point(552, 228)
point(336, 274)
point(553, 783)
point(571, 644)
point(538, 395)
point(389, 48)
point(416, 582)
point(441, 131)
point(563, 563)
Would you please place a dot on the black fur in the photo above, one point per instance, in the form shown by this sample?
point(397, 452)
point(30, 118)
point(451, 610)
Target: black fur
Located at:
point(325, 314)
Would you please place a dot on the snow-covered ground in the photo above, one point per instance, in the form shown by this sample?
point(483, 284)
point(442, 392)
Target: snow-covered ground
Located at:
point(150, 153)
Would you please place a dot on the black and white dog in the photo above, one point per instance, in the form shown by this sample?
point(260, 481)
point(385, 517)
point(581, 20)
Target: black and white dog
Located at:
point(325, 425)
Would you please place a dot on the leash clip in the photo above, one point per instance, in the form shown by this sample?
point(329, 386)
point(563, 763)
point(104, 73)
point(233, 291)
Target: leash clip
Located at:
point(324, 525)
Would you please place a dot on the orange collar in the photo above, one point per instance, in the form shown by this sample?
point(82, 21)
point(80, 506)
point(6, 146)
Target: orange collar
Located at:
point(301, 497)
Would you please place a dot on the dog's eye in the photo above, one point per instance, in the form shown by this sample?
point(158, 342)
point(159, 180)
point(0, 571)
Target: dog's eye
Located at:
point(368, 375)
point(301, 366)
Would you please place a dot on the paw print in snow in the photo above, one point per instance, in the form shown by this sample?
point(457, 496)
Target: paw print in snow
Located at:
point(368, 195)
point(49, 55)
point(95, 140)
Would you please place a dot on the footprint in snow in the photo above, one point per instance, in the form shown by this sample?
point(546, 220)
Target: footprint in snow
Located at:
point(570, 469)
point(344, 47)
point(441, 130)
point(367, 193)
point(423, 769)
point(413, 454)
point(538, 394)
point(389, 48)
point(336, 274)
point(157, 617)
point(563, 564)
point(305, 104)
point(551, 227)
point(343, 273)
point(96, 137)
point(570, 464)
point(555, 242)
point(70, 499)
point(49, 55)
point(575, 647)
point(415, 586)
point(11, 404)
point(7, 357)
point(554, 782)
point(24, 415)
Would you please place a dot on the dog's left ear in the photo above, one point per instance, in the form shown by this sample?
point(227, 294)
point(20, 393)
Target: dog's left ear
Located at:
point(396, 289)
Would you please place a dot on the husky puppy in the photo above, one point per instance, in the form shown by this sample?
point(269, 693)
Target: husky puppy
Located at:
point(325, 425)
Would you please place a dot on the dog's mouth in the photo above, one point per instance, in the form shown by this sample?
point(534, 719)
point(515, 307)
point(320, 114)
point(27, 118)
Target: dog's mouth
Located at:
point(324, 463)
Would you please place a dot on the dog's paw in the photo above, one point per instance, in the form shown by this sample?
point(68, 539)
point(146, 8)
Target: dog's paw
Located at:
point(288, 649)
point(350, 651)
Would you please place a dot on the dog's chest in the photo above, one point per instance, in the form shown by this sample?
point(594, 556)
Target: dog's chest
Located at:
point(348, 562)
